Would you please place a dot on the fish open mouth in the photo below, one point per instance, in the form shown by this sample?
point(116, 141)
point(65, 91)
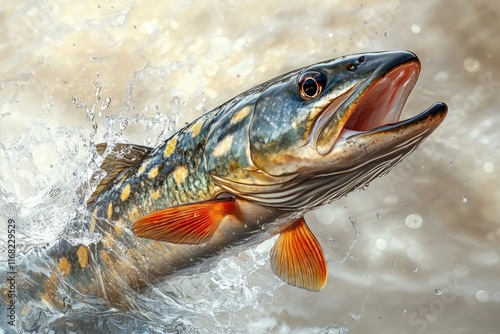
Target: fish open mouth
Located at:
point(383, 101)
point(375, 106)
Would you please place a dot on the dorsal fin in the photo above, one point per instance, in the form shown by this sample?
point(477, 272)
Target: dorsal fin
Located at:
point(121, 157)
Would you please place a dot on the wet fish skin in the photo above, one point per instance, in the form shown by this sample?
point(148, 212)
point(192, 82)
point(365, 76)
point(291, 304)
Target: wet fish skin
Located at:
point(260, 161)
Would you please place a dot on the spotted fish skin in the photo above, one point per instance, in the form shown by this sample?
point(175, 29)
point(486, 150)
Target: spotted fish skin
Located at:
point(172, 174)
point(242, 173)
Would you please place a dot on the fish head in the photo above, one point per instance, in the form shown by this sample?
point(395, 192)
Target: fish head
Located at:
point(319, 132)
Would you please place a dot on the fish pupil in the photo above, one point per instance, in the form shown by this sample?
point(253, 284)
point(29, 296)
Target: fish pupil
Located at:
point(310, 87)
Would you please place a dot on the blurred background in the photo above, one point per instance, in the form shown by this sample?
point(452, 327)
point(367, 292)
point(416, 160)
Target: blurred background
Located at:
point(417, 252)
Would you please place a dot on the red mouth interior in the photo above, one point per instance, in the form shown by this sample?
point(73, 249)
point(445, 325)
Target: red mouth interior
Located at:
point(383, 101)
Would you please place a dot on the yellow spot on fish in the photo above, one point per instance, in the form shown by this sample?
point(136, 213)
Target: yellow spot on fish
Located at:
point(93, 221)
point(223, 146)
point(153, 173)
point(155, 194)
point(170, 148)
point(133, 215)
point(118, 227)
point(141, 169)
point(110, 210)
point(180, 174)
point(196, 128)
point(49, 293)
point(83, 256)
point(105, 257)
point(64, 266)
point(125, 192)
point(240, 115)
point(107, 241)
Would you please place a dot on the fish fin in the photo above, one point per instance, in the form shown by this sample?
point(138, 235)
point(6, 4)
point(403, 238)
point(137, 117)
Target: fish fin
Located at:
point(121, 157)
point(297, 258)
point(185, 224)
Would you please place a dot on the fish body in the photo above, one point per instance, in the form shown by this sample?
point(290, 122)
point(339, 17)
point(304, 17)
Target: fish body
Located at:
point(244, 172)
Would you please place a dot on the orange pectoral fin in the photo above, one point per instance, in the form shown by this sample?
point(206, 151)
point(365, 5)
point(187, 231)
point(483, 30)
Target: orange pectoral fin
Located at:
point(297, 258)
point(185, 224)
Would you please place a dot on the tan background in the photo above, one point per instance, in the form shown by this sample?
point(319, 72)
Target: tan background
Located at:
point(426, 258)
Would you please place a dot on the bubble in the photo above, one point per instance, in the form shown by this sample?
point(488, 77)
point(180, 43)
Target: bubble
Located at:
point(414, 221)
point(379, 215)
point(415, 269)
point(471, 64)
point(415, 28)
point(438, 292)
point(482, 296)
point(464, 199)
point(489, 167)
point(381, 244)
point(331, 240)
point(441, 76)
point(379, 319)
point(404, 311)
point(386, 34)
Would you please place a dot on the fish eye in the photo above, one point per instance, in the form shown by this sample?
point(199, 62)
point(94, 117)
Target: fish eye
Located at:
point(311, 84)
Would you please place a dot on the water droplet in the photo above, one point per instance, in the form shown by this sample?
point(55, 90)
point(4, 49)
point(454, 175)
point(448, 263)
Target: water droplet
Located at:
point(403, 311)
point(415, 28)
point(394, 264)
point(489, 167)
point(379, 215)
point(471, 64)
point(464, 199)
point(203, 244)
point(123, 124)
point(379, 319)
point(452, 162)
point(105, 103)
point(386, 34)
point(415, 269)
point(482, 296)
point(331, 240)
point(414, 221)
point(438, 292)
point(117, 209)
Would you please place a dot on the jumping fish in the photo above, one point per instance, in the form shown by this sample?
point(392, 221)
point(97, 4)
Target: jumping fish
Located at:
point(242, 173)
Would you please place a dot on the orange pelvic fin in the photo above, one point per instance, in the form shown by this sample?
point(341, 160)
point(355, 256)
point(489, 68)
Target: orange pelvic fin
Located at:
point(297, 258)
point(185, 224)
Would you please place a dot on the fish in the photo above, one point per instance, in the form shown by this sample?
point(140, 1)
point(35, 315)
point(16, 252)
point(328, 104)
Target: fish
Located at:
point(240, 174)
